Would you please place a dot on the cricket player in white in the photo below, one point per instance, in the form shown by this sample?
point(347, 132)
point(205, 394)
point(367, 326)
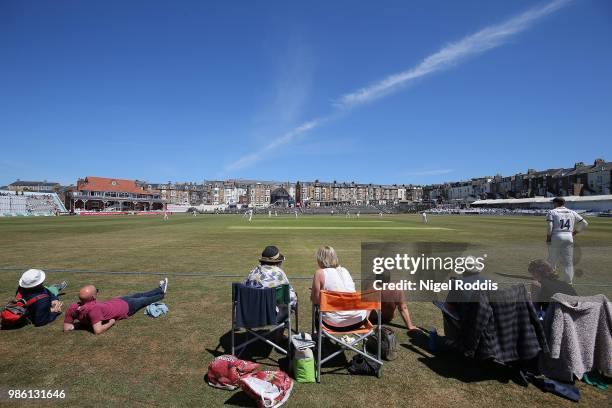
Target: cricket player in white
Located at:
point(563, 224)
point(424, 218)
point(250, 215)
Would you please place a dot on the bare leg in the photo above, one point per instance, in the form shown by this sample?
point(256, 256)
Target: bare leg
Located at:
point(403, 309)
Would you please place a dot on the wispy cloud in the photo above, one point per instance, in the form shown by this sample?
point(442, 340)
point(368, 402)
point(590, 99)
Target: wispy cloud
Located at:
point(252, 158)
point(451, 54)
point(486, 39)
point(294, 76)
point(436, 172)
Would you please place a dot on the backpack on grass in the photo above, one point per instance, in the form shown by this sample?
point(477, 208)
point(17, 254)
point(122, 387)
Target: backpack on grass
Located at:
point(388, 346)
point(362, 366)
point(15, 311)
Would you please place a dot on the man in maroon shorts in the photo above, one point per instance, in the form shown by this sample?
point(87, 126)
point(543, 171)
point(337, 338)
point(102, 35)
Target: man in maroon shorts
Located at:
point(101, 316)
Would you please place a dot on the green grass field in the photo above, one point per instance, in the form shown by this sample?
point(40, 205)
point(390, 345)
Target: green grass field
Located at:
point(161, 362)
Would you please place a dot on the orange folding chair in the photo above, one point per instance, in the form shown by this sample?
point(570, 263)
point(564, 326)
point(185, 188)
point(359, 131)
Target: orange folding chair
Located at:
point(346, 301)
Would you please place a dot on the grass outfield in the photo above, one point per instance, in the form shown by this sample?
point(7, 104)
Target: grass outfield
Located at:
point(161, 362)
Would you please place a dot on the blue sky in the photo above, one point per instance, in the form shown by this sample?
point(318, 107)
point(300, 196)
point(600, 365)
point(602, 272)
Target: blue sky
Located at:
point(383, 92)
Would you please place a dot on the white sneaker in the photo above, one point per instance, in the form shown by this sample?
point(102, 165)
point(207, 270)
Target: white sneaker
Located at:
point(163, 284)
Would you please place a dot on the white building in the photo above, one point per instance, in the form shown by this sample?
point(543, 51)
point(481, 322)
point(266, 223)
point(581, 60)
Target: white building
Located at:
point(401, 193)
point(588, 203)
point(599, 180)
point(232, 194)
point(461, 191)
point(482, 186)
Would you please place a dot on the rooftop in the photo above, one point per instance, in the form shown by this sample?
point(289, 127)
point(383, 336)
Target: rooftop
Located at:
point(91, 183)
point(33, 183)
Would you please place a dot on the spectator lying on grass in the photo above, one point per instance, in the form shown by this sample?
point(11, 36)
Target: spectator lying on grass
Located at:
point(101, 316)
point(48, 306)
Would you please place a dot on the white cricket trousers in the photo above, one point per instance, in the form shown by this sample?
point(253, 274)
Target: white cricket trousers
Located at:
point(562, 248)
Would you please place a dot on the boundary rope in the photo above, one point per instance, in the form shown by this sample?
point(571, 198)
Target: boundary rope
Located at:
point(208, 275)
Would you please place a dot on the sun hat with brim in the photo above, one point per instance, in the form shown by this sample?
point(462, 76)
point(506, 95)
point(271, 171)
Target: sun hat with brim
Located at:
point(271, 254)
point(32, 278)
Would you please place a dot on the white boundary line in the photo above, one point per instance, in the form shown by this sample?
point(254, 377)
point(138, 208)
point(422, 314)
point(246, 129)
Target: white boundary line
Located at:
point(299, 227)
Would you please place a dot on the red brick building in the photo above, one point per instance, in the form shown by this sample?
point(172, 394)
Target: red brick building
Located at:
point(109, 194)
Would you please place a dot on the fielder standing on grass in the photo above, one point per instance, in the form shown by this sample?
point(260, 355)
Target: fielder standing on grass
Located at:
point(563, 224)
point(424, 217)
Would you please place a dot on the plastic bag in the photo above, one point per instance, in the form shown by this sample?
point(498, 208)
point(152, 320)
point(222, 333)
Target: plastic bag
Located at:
point(225, 371)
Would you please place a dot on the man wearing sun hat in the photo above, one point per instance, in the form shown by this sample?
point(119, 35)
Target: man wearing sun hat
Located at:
point(48, 306)
point(268, 274)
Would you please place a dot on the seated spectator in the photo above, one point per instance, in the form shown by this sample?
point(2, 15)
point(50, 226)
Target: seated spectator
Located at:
point(458, 300)
point(333, 277)
point(546, 283)
point(101, 316)
point(48, 306)
point(392, 300)
point(268, 274)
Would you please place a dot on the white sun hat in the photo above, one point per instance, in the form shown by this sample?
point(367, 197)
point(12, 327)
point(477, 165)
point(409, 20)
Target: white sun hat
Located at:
point(32, 278)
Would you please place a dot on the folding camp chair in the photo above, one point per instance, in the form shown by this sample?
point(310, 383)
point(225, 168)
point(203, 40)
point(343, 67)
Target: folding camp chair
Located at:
point(251, 311)
point(345, 301)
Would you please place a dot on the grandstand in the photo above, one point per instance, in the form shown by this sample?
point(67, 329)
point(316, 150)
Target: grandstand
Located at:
point(596, 203)
point(27, 203)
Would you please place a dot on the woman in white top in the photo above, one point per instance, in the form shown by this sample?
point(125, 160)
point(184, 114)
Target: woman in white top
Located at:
point(333, 277)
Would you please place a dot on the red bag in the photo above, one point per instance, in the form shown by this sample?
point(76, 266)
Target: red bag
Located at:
point(15, 311)
point(225, 371)
point(270, 389)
